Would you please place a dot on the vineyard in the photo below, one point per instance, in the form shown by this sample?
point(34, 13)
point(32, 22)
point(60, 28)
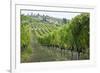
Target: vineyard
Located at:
point(45, 38)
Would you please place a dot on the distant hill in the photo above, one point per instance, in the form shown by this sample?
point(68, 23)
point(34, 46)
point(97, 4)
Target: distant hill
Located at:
point(49, 19)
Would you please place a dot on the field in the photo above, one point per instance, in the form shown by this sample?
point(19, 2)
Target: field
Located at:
point(46, 38)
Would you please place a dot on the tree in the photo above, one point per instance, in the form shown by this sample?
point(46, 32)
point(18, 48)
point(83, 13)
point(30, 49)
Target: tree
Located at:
point(44, 18)
point(64, 20)
point(80, 32)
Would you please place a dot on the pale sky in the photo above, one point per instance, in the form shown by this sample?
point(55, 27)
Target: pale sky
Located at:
point(67, 15)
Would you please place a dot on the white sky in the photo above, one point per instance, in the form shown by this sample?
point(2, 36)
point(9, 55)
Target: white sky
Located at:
point(67, 15)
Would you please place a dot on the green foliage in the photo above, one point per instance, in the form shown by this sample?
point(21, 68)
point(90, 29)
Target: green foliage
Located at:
point(26, 49)
point(80, 31)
